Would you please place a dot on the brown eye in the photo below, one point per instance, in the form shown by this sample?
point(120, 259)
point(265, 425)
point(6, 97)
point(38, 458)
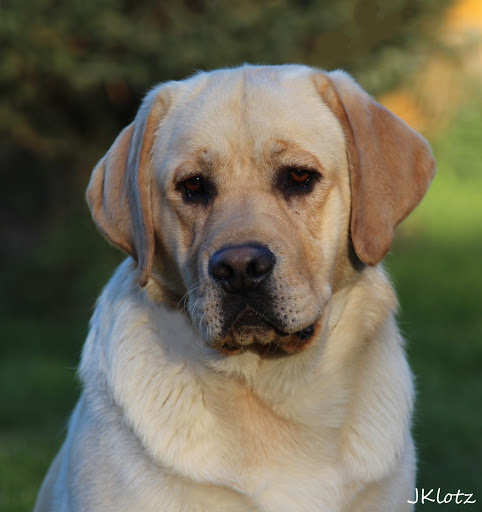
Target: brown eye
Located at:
point(300, 176)
point(193, 184)
point(295, 181)
point(196, 190)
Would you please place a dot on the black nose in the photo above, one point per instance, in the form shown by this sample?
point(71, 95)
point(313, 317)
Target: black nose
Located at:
point(241, 268)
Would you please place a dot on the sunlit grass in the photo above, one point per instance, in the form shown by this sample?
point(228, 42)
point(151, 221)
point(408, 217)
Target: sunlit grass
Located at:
point(452, 209)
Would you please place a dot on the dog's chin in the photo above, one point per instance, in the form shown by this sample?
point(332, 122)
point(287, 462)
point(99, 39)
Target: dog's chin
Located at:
point(251, 332)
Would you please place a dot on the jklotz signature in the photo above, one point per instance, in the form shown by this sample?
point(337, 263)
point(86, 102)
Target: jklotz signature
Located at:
point(427, 495)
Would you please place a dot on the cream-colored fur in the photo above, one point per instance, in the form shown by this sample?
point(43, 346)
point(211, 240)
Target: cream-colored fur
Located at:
point(168, 421)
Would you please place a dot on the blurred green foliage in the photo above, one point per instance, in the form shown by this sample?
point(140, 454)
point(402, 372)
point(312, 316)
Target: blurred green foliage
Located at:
point(73, 72)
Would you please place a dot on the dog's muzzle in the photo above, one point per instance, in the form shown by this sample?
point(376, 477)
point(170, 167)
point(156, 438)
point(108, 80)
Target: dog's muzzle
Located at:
point(243, 271)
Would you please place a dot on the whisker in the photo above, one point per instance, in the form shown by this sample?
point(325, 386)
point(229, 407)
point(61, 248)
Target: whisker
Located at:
point(185, 297)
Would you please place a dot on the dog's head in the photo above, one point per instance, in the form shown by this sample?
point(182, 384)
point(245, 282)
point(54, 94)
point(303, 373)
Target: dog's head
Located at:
point(254, 194)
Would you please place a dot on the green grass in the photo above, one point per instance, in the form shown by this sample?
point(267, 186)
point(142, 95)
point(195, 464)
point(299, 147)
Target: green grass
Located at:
point(37, 390)
point(439, 288)
point(436, 267)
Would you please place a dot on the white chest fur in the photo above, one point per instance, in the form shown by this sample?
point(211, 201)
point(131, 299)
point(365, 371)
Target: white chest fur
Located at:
point(310, 445)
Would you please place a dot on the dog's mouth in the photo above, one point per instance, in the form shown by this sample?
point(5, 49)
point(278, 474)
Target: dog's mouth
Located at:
point(251, 331)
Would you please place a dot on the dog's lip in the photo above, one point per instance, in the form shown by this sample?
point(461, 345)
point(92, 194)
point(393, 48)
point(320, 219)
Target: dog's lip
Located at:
point(251, 318)
point(290, 342)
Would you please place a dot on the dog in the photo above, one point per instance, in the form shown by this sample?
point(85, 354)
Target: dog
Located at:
point(245, 356)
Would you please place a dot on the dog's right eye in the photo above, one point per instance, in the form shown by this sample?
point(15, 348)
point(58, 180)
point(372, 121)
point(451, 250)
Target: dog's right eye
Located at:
point(194, 189)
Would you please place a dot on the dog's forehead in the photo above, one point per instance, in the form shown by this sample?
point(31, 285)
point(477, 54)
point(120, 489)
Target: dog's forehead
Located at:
point(250, 111)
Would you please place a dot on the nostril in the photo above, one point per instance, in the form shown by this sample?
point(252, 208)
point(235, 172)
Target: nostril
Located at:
point(262, 263)
point(221, 271)
point(251, 269)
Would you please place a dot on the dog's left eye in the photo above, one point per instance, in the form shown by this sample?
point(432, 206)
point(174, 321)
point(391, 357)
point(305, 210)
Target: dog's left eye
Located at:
point(299, 177)
point(298, 181)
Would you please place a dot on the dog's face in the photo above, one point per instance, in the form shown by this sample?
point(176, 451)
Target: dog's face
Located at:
point(257, 193)
point(256, 207)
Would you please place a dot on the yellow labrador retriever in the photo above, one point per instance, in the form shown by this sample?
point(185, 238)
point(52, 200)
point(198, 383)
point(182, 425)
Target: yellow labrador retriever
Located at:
point(246, 356)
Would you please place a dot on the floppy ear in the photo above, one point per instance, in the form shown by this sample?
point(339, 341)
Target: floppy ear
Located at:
point(391, 165)
point(119, 191)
